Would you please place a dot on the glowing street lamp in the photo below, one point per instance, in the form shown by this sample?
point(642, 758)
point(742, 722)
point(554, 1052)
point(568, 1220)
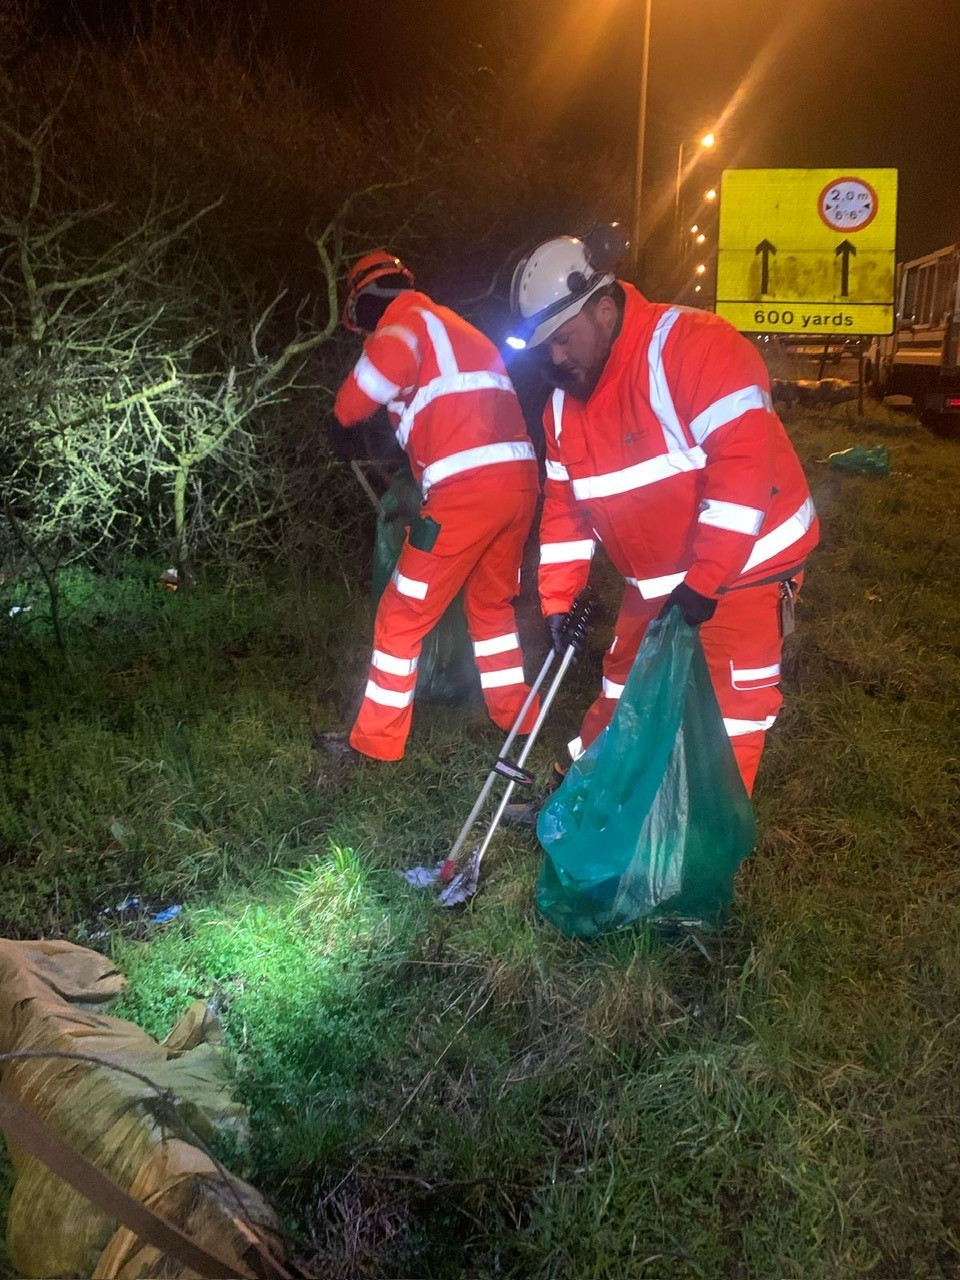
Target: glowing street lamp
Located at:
point(694, 229)
point(701, 238)
point(701, 268)
point(711, 194)
point(707, 141)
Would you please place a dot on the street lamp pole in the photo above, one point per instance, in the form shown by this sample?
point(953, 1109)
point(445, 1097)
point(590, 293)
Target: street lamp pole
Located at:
point(707, 141)
point(637, 236)
point(676, 198)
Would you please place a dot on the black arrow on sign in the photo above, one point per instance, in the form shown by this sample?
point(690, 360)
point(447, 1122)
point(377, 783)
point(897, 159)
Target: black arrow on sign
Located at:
point(845, 250)
point(767, 249)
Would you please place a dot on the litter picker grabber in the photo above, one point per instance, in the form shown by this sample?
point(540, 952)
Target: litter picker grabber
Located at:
point(502, 768)
point(460, 875)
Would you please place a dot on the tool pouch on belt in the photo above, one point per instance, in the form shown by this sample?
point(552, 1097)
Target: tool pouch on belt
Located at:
point(424, 532)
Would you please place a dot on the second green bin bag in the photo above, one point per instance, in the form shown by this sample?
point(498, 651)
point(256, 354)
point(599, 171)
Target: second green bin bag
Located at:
point(447, 672)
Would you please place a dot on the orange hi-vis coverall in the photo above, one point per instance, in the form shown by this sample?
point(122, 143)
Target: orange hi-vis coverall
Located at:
point(455, 413)
point(678, 465)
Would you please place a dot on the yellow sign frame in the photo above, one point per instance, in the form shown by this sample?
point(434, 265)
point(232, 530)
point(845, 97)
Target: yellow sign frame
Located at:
point(808, 251)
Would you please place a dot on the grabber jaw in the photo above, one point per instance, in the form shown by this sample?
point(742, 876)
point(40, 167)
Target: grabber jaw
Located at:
point(457, 878)
point(461, 884)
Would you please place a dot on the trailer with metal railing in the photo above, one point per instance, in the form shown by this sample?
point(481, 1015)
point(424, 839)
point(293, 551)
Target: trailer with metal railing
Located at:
point(921, 358)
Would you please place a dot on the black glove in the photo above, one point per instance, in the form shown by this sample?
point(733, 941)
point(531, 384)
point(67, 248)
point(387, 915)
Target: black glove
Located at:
point(694, 607)
point(556, 625)
point(343, 441)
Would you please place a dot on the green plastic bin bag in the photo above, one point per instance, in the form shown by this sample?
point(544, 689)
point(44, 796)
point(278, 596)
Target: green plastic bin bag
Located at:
point(862, 460)
point(447, 672)
point(653, 819)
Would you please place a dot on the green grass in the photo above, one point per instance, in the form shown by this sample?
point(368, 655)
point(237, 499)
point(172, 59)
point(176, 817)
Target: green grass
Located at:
point(440, 1095)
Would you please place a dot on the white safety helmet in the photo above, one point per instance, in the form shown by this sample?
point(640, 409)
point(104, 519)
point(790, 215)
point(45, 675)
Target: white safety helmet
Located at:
point(555, 279)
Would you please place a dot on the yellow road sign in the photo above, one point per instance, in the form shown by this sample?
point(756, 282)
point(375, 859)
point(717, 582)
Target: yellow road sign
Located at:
point(807, 250)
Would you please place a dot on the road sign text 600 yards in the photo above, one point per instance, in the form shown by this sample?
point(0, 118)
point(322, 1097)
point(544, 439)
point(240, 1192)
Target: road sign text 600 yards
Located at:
point(764, 315)
point(772, 315)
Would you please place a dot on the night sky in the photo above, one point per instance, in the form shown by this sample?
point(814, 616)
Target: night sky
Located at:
point(819, 83)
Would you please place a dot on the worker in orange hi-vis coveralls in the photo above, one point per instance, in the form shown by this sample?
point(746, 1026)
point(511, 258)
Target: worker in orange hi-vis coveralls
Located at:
point(663, 446)
point(455, 413)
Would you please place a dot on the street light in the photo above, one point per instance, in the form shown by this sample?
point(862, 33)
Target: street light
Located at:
point(707, 141)
point(711, 194)
point(701, 268)
point(701, 238)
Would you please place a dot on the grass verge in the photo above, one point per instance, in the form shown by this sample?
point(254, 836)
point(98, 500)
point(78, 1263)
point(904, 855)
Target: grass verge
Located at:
point(473, 1095)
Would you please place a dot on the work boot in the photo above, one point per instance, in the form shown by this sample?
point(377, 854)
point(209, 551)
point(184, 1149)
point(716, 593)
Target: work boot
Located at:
point(338, 746)
point(526, 812)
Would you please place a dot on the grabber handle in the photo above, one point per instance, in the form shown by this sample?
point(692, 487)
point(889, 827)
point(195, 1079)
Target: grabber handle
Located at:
point(574, 634)
point(568, 657)
point(481, 800)
point(578, 621)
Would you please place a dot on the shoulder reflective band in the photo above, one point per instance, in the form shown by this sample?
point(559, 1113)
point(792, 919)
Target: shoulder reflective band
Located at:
point(556, 404)
point(661, 401)
point(404, 335)
point(375, 385)
point(442, 346)
point(727, 409)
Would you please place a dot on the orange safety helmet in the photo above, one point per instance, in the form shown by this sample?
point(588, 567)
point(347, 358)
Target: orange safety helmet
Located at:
point(363, 274)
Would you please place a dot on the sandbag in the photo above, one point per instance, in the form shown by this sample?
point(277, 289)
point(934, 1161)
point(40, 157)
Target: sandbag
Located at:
point(653, 819)
point(447, 672)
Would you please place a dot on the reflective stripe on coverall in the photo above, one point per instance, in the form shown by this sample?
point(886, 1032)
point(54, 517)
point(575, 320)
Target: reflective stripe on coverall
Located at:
point(455, 413)
point(678, 465)
point(479, 549)
point(747, 624)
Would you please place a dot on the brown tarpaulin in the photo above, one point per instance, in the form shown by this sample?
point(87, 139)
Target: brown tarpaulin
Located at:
point(50, 994)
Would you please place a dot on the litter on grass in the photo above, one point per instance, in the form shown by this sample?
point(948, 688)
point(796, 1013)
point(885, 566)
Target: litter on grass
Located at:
point(131, 910)
point(461, 887)
point(862, 461)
